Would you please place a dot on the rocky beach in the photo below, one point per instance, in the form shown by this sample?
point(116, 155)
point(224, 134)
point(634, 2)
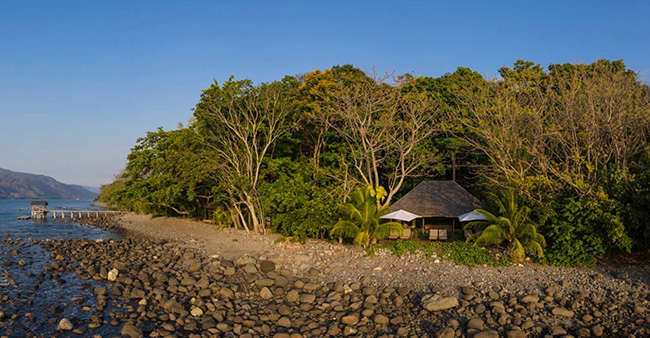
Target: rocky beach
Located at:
point(179, 278)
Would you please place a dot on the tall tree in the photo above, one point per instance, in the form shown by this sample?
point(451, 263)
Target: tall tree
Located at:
point(383, 128)
point(558, 129)
point(240, 122)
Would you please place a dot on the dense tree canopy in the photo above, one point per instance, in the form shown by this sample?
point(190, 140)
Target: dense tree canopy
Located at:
point(570, 140)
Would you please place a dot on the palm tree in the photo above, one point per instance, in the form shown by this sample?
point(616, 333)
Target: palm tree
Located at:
point(363, 217)
point(511, 229)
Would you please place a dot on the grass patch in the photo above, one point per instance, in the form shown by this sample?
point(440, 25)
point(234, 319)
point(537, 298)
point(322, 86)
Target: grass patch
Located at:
point(293, 239)
point(460, 252)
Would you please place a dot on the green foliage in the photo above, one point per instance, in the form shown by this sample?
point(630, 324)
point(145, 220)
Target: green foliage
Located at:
point(632, 196)
point(571, 141)
point(460, 252)
point(221, 218)
point(166, 174)
point(301, 202)
point(512, 228)
point(363, 223)
point(584, 230)
point(240, 123)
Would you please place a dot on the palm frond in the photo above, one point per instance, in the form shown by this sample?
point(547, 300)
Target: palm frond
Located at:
point(473, 237)
point(476, 225)
point(535, 248)
point(362, 239)
point(512, 226)
point(490, 216)
point(344, 228)
point(492, 235)
point(517, 250)
point(539, 239)
point(384, 211)
point(385, 229)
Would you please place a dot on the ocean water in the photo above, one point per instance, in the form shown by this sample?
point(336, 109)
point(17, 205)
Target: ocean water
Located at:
point(36, 291)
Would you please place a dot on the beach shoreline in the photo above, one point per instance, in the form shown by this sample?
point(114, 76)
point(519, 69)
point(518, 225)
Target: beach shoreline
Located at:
point(182, 278)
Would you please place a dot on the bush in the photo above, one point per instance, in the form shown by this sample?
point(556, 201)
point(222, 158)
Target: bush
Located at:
point(301, 202)
point(460, 252)
point(582, 231)
point(632, 192)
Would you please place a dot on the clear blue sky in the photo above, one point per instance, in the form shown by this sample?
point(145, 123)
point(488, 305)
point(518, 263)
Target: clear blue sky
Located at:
point(81, 80)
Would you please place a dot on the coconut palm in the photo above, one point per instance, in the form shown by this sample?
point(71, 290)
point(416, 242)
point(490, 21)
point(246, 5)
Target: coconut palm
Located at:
point(511, 229)
point(363, 217)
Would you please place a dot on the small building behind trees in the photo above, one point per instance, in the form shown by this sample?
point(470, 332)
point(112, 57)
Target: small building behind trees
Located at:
point(438, 203)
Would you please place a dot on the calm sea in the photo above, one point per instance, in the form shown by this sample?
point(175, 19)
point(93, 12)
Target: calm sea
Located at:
point(36, 291)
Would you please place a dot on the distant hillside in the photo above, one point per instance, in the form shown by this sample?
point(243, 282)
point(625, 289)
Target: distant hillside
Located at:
point(23, 185)
point(95, 190)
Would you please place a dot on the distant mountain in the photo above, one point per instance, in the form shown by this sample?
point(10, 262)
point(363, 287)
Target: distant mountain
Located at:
point(95, 190)
point(24, 185)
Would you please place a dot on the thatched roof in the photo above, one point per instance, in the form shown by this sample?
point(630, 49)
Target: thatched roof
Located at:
point(39, 203)
point(437, 199)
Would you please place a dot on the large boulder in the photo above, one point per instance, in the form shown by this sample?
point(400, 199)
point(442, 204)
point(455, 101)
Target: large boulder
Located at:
point(558, 311)
point(131, 331)
point(245, 260)
point(433, 302)
point(267, 266)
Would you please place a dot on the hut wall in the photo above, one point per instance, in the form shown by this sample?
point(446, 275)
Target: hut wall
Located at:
point(439, 223)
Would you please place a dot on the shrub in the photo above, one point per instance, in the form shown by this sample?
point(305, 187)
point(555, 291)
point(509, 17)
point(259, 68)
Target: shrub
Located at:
point(584, 230)
point(460, 252)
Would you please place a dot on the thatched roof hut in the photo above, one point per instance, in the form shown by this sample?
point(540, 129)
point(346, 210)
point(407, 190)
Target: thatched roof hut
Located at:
point(439, 203)
point(438, 199)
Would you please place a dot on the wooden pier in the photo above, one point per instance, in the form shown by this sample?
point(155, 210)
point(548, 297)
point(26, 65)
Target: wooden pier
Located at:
point(81, 213)
point(39, 211)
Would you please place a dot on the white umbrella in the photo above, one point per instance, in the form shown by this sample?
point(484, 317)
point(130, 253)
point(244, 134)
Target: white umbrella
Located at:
point(474, 215)
point(401, 215)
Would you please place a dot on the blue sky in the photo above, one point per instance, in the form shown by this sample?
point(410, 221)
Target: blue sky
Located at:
point(80, 81)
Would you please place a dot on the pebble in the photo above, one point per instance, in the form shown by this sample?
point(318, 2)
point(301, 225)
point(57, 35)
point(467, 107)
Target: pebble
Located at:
point(557, 331)
point(64, 325)
point(562, 312)
point(266, 293)
point(446, 332)
point(112, 275)
point(476, 323)
point(381, 319)
point(350, 319)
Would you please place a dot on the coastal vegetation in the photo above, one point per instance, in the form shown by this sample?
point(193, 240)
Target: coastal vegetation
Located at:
point(362, 217)
point(511, 228)
point(569, 141)
point(459, 252)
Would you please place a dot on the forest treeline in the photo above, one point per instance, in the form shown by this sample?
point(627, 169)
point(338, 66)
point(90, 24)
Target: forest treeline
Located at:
point(571, 140)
